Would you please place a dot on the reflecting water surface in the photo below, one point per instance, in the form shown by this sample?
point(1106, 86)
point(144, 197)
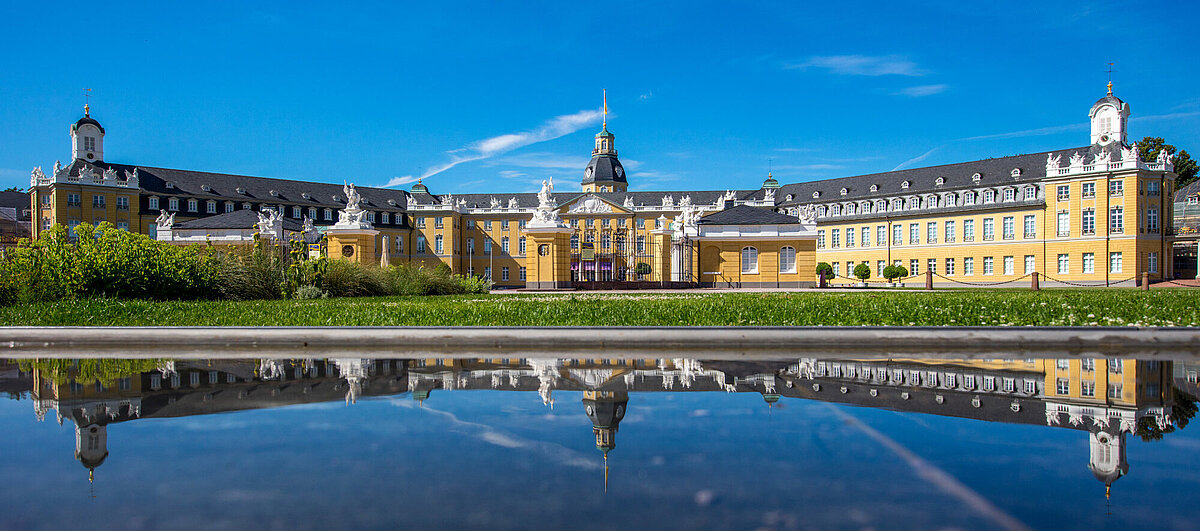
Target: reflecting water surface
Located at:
point(575, 443)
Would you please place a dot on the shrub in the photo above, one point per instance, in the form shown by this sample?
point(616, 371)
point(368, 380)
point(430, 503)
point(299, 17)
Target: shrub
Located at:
point(891, 273)
point(824, 268)
point(108, 262)
point(901, 272)
point(862, 271)
point(310, 292)
point(643, 268)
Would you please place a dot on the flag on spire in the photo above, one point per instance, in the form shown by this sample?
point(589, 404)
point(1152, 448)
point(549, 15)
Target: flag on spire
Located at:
point(605, 125)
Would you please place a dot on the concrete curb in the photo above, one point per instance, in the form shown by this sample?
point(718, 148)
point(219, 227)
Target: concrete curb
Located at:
point(598, 342)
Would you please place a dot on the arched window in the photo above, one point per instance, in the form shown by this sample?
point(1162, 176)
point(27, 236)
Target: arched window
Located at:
point(749, 260)
point(787, 260)
point(835, 210)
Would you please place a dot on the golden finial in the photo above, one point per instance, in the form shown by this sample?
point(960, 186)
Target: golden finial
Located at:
point(605, 124)
point(605, 471)
point(87, 95)
point(1106, 491)
point(1110, 88)
point(1110, 71)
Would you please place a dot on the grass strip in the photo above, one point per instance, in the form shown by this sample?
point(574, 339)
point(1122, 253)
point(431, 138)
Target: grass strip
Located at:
point(1052, 307)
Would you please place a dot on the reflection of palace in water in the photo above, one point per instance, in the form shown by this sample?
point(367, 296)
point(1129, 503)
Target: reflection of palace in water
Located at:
point(1108, 399)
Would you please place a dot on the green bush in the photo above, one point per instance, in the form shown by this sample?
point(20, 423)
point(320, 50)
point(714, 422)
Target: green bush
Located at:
point(901, 272)
point(825, 269)
point(310, 292)
point(104, 261)
point(891, 273)
point(862, 271)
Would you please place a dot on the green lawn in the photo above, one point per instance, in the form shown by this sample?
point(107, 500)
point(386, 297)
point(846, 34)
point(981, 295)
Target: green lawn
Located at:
point(1052, 307)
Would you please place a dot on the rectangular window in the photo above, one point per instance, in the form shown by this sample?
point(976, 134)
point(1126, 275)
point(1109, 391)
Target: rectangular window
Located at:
point(312, 214)
point(1030, 227)
point(1115, 390)
point(1089, 190)
point(837, 269)
point(914, 267)
point(1064, 264)
point(1152, 262)
point(787, 260)
point(989, 383)
point(931, 232)
point(1029, 264)
point(504, 224)
point(879, 265)
point(988, 265)
point(1088, 221)
point(1116, 219)
point(1152, 220)
point(1089, 262)
point(948, 233)
point(470, 245)
point(487, 272)
point(437, 223)
point(989, 229)
point(1114, 262)
point(420, 221)
point(897, 235)
point(1062, 386)
point(504, 245)
point(865, 233)
point(969, 266)
point(1087, 388)
point(487, 246)
point(881, 235)
point(522, 273)
point(836, 238)
point(521, 245)
point(931, 265)
point(949, 266)
point(749, 260)
point(504, 273)
point(849, 237)
point(1114, 366)
point(1009, 227)
point(1116, 188)
point(1087, 364)
point(385, 218)
point(297, 212)
point(968, 381)
point(329, 215)
point(1152, 188)
point(1008, 265)
point(420, 244)
point(97, 201)
point(989, 196)
point(76, 200)
point(1064, 193)
point(1062, 364)
point(914, 234)
point(1030, 387)
point(1030, 193)
point(1064, 224)
point(821, 239)
point(173, 204)
point(437, 244)
point(968, 230)
point(1009, 195)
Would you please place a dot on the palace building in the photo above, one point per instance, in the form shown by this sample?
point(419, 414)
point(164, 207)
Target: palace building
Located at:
point(1092, 215)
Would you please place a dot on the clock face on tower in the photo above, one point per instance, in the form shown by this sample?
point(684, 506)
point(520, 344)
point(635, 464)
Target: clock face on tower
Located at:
point(620, 171)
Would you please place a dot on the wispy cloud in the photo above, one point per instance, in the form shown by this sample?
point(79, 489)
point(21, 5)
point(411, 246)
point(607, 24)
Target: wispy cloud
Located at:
point(861, 65)
point(489, 147)
point(400, 181)
point(922, 90)
point(917, 159)
point(550, 161)
point(807, 167)
point(1170, 116)
point(647, 95)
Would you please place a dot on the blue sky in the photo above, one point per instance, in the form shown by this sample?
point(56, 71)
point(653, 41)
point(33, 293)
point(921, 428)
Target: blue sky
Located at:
point(481, 97)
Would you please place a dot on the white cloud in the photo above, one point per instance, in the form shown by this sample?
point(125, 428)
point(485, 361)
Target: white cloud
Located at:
point(808, 167)
point(862, 65)
point(647, 95)
point(917, 159)
point(922, 90)
point(489, 147)
point(400, 181)
point(552, 161)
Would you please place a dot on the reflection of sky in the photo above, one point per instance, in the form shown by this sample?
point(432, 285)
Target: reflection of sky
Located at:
point(503, 460)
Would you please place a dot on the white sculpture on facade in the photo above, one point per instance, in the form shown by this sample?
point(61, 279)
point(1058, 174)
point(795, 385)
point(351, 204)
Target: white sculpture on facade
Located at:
point(513, 203)
point(1103, 157)
point(730, 195)
point(686, 201)
point(495, 203)
point(591, 205)
point(1164, 157)
point(1076, 159)
point(412, 202)
point(769, 196)
point(628, 202)
point(270, 223)
point(131, 177)
point(57, 168)
point(808, 215)
point(110, 174)
point(1131, 153)
point(1053, 161)
point(165, 221)
point(36, 175)
point(546, 214)
point(668, 201)
point(448, 201)
point(460, 204)
point(353, 216)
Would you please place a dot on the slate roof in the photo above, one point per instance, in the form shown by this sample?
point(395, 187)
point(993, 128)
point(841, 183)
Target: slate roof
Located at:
point(16, 200)
point(993, 172)
point(238, 219)
point(1181, 194)
point(223, 186)
point(748, 215)
point(604, 169)
point(87, 120)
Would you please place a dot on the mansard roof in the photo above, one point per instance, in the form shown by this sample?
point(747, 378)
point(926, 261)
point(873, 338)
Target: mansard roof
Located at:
point(992, 172)
point(530, 200)
point(238, 219)
point(224, 187)
point(1182, 193)
point(604, 168)
point(748, 215)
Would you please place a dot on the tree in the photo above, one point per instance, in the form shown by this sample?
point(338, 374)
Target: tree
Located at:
point(825, 269)
point(891, 273)
point(1185, 167)
point(862, 271)
point(13, 189)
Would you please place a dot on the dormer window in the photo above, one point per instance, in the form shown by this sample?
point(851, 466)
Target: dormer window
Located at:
point(904, 185)
point(170, 185)
point(274, 193)
point(206, 188)
point(788, 198)
point(1016, 173)
point(874, 187)
point(392, 202)
point(976, 177)
point(989, 196)
point(835, 210)
point(844, 190)
point(940, 181)
point(305, 195)
point(1009, 194)
point(241, 190)
point(816, 195)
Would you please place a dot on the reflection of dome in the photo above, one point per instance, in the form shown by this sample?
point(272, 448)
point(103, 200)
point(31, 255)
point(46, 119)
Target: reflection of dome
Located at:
point(605, 409)
point(770, 398)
